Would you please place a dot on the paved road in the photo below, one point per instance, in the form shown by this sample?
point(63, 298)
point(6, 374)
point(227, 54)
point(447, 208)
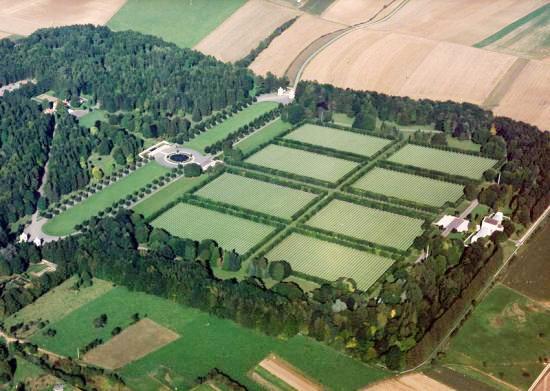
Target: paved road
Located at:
point(463, 215)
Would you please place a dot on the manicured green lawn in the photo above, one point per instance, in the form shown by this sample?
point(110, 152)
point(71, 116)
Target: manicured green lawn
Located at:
point(183, 22)
point(231, 232)
point(444, 161)
point(106, 163)
point(230, 125)
point(409, 187)
point(256, 195)
point(342, 119)
point(374, 225)
point(168, 194)
point(64, 223)
point(89, 119)
point(503, 338)
point(303, 163)
point(264, 135)
point(467, 145)
point(330, 261)
point(341, 140)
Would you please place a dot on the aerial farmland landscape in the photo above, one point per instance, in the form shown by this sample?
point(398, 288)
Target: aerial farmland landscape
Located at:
point(275, 195)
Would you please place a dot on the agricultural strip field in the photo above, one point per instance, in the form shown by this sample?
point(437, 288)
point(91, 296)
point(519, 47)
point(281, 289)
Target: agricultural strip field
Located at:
point(301, 162)
point(267, 133)
point(167, 194)
point(330, 261)
point(64, 223)
point(230, 125)
point(504, 337)
point(342, 140)
point(444, 161)
point(190, 221)
point(409, 187)
point(269, 198)
point(184, 23)
point(373, 225)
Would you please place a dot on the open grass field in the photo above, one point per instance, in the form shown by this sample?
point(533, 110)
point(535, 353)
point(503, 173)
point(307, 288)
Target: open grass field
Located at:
point(330, 261)
point(502, 338)
point(342, 140)
point(342, 119)
point(466, 145)
point(373, 225)
point(303, 163)
point(190, 221)
point(269, 198)
point(286, 47)
point(444, 161)
point(245, 29)
point(64, 223)
point(184, 23)
point(167, 194)
point(22, 17)
point(230, 125)
point(89, 119)
point(59, 302)
point(409, 187)
point(267, 133)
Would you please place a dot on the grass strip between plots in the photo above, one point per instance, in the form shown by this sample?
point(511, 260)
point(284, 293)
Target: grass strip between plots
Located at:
point(64, 223)
point(264, 135)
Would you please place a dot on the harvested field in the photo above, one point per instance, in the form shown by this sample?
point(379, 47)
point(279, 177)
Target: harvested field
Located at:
point(330, 261)
point(360, 144)
point(363, 223)
point(288, 374)
point(356, 11)
point(412, 382)
point(303, 163)
point(409, 187)
point(264, 197)
point(190, 221)
point(453, 163)
point(24, 17)
point(133, 343)
point(528, 98)
point(285, 48)
point(245, 29)
point(4, 35)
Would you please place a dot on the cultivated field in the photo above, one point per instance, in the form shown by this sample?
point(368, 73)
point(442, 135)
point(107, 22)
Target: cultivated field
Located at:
point(303, 163)
point(330, 261)
point(230, 125)
point(269, 198)
point(287, 374)
point(23, 17)
point(243, 31)
point(190, 221)
point(373, 225)
point(4, 35)
point(444, 161)
point(184, 23)
point(267, 133)
point(356, 11)
point(410, 382)
point(64, 223)
point(133, 343)
point(341, 140)
point(409, 187)
point(286, 47)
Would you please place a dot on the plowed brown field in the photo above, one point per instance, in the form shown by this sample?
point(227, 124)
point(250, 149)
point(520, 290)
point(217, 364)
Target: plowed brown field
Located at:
point(412, 382)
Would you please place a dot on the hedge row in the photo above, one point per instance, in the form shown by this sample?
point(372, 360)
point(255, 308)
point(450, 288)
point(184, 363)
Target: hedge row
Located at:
point(440, 176)
point(449, 149)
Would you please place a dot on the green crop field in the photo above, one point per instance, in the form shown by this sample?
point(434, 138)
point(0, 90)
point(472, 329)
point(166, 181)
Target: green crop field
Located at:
point(303, 163)
point(330, 261)
point(256, 195)
point(231, 232)
point(444, 161)
point(409, 187)
point(504, 337)
point(341, 140)
point(203, 343)
point(377, 226)
point(230, 125)
point(183, 22)
point(64, 223)
point(167, 194)
point(264, 135)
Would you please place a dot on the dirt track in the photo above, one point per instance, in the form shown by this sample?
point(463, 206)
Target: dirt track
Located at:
point(288, 374)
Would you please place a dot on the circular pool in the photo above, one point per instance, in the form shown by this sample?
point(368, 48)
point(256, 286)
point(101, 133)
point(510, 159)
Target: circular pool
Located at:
point(178, 157)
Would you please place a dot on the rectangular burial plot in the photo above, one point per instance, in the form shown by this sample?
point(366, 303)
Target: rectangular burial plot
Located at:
point(364, 223)
point(409, 187)
point(304, 163)
point(330, 261)
point(342, 140)
point(230, 232)
point(453, 163)
point(253, 194)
